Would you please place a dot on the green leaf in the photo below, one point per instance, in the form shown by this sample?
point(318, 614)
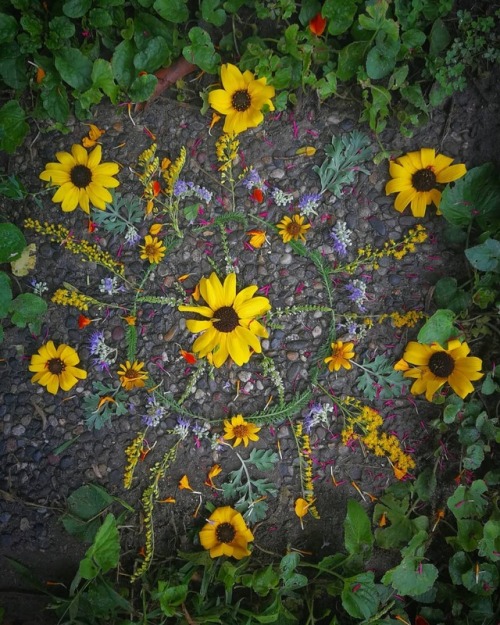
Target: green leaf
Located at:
point(413, 38)
point(100, 18)
point(104, 553)
point(411, 578)
point(13, 66)
point(452, 409)
point(8, 28)
point(88, 501)
point(13, 128)
point(468, 501)
point(288, 564)
point(358, 537)
point(201, 52)
point(380, 62)
point(102, 78)
point(360, 597)
point(5, 294)
point(486, 256)
point(489, 386)
point(143, 88)
point(489, 545)
point(156, 54)
point(212, 13)
point(439, 328)
point(172, 10)
point(12, 242)
point(469, 532)
point(55, 102)
point(122, 63)
point(350, 58)
point(474, 456)
point(76, 8)
point(447, 294)
point(439, 38)
point(263, 459)
point(171, 597)
point(425, 484)
point(28, 308)
point(75, 68)
point(340, 15)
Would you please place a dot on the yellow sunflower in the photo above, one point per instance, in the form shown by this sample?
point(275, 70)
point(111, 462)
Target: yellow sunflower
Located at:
point(226, 534)
point(436, 365)
point(414, 178)
point(132, 375)
point(152, 250)
point(292, 228)
point(239, 429)
point(54, 367)
point(231, 327)
point(82, 179)
point(341, 354)
point(241, 100)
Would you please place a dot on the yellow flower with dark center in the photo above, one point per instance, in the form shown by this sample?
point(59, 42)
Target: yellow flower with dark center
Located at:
point(241, 99)
point(239, 429)
point(132, 375)
point(55, 367)
point(153, 249)
point(292, 228)
point(226, 534)
point(414, 179)
point(230, 327)
point(341, 354)
point(82, 179)
point(436, 366)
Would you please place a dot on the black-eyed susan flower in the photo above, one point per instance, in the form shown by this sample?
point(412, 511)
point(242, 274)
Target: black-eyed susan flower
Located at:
point(82, 179)
point(415, 176)
point(242, 431)
point(132, 375)
point(226, 534)
point(437, 365)
point(55, 367)
point(230, 327)
point(153, 249)
point(292, 228)
point(241, 99)
point(341, 354)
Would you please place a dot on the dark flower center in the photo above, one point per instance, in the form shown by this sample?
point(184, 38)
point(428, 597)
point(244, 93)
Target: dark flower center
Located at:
point(227, 319)
point(240, 431)
point(150, 249)
point(131, 374)
point(424, 179)
point(56, 366)
point(294, 228)
point(241, 100)
point(441, 364)
point(81, 176)
point(225, 532)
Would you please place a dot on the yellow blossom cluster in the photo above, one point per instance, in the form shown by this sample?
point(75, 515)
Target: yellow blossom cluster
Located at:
point(65, 297)
point(400, 320)
point(226, 149)
point(149, 163)
point(133, 453)
point(172, 172)
point(305, 452)
point(365, 426)
point(395, 249)
point(59, 234)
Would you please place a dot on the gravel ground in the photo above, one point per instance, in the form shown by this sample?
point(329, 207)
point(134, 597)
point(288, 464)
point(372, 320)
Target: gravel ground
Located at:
point(33, 424)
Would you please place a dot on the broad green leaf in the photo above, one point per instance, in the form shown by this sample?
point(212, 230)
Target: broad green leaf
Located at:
point(104, 553)
point(288, 564)
point(28, 308)
point(447, 294)
point(102, 78)
point(172, 10)
point(76, 8)
point(5, 294)
point(411, 578)
point(340, 15)
point(55, 102)
point(469, 533)
point(489, 545)
point(212, 13)
point(262, 581)
point(26, 262)
point(360, 597)
point(358, 537)
point(486, 256)
point(75, 68)
point(439, 328)
point(439, 38)
point(8, 28)
point(143, 88)
point(86, 99)
point(122, 63)
point(100, 18)
point(413, 38)
point(452, 409)
point(425, 484)
point(171, 597)
point(12, 242)
point(380, 62)
point(489, 386)
point(201, 52)
point(414, 95)
point(474, 456)
point(88, 501)
point(13, 66)
point(350, 58)
point(156, 54)
point(468, 502)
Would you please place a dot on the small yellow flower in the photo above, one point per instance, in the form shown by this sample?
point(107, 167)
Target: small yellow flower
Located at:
point(132, 375)
point(292, 228)
point(239, 429)
point(152, 250)
point(341, 354)
point(213, 472)
point(184, 483)
point(257, 238)
point(55, 367)
point(308, 150)
point(226, 534)
point(155, 229)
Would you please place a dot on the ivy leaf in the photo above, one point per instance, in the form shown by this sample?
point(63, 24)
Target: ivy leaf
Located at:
point(489, 545)
point(142, 88)
point(12, 242)
point(75, 68)
point(201, 52)
point(340, 15)
point(122, 63)
point(411, 578)
point(102, 78)
point(5, 294)
point(212, 13)
point(155, 54)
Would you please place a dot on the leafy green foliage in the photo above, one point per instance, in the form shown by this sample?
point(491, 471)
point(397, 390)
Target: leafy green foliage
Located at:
point(105, 403)
point(26, 309)
point(12, 242)
point(121, 215)
point(380, 380)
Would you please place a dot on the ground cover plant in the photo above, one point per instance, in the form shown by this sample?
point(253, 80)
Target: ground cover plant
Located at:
point(435, 519)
